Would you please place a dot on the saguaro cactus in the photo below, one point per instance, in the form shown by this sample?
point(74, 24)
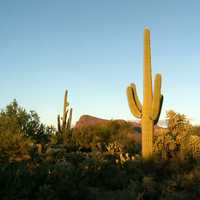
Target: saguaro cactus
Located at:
point(66, 118)
point(149, 112)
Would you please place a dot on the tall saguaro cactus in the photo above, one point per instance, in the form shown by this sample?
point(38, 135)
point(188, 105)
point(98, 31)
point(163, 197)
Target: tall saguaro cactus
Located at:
point(149, 112)
point(66, 118)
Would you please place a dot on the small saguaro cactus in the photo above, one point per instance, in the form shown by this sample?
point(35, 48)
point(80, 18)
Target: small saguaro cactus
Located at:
point(66, 118)
point(149, 112)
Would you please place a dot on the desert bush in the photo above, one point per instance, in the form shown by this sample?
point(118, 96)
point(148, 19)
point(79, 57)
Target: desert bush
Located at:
point(194, 146)
point(83, 176)
point(22, 136)
point(174, 140)
point(195, 130)
point(100, 136)
point(15, 117)
point(97, 162)
point(14, 146)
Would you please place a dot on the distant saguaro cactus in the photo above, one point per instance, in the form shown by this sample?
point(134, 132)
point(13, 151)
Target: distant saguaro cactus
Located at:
point(66, 118)
point(149, 112)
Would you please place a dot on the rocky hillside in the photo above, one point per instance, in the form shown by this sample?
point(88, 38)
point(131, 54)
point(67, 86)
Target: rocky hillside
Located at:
point(88, 120)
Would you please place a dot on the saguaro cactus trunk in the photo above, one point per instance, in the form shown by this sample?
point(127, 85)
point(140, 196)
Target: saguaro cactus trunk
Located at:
point(149, 112)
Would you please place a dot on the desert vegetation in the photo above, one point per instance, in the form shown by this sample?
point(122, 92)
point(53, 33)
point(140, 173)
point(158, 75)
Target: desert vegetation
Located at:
point(111, 159)
point(97, 161)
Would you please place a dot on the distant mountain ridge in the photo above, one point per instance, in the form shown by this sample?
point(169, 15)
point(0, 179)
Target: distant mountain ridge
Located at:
point(88, 120)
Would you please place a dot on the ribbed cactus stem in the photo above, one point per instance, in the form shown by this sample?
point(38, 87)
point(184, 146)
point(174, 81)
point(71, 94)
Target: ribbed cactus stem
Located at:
point(59, 126)
point(149, 112)
point(133, 100)
point(156, 97)
point(65, 104)
point(66, 120)
point(69, 119)
point(147, 137)
point(147, 78)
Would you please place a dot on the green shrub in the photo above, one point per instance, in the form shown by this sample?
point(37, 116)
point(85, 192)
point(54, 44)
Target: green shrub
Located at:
point(97, 138)
point(14, 146)
point(14, 117)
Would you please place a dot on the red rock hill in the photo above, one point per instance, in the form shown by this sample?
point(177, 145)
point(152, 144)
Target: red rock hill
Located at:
point(88, 120)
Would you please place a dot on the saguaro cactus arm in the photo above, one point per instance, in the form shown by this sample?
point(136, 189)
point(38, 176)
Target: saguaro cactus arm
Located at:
point(65, 104)
point(69, 119)
point(64, 119)
point(59, 126)
point(156, 97)
point(158, 116)
point(133, 101)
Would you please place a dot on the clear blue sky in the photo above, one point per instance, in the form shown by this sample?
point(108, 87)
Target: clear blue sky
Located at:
point(93, 48)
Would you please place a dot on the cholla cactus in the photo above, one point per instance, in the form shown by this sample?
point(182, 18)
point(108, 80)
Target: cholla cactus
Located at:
point(175, 139)
point(149, 112)
point(124, 157)
point(66, 118)
point(194, 146)
point(114, 147)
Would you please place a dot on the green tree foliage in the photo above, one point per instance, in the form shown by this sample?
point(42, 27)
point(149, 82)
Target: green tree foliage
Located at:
point(14, 147)
point(100, 136)
point(19, 131)
point(15, 118)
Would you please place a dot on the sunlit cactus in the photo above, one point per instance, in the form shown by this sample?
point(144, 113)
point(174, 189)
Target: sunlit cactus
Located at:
point(149, 112)
point(175, 141)
point(194, 145)
point(64, 122)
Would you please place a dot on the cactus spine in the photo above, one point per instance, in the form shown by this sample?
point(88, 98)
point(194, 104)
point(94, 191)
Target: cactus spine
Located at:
point(149, 112)
point(66, 118)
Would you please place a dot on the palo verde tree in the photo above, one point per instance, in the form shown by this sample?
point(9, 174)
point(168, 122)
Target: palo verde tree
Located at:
point(15, 117)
